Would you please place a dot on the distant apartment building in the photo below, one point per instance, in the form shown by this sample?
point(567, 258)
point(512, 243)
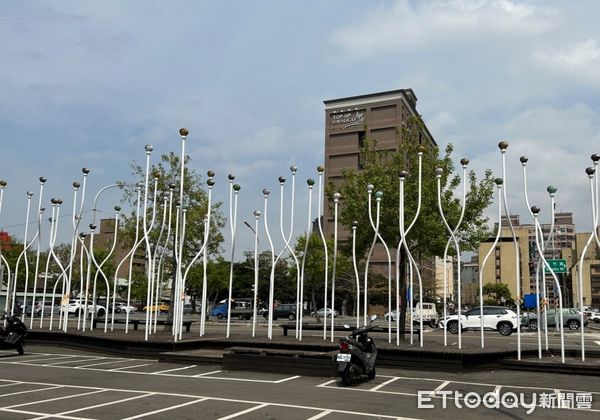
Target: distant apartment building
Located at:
point(469, 279)
point(565, 244)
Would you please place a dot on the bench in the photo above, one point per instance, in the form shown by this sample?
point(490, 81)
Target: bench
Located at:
point(379, 329)
point(137, 322)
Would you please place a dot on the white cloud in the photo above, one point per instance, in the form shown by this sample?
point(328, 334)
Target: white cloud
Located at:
point(402, 26)
point(580, 60)
point(558, 143)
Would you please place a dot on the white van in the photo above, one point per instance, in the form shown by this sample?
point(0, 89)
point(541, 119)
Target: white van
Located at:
point(429, 312)
point(430, 315)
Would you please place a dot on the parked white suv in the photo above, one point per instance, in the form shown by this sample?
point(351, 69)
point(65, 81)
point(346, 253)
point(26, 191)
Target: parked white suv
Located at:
point(76, 306)
point(496, 318)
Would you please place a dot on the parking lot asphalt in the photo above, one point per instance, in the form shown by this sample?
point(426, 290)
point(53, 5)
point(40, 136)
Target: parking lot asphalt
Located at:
point(51, 382)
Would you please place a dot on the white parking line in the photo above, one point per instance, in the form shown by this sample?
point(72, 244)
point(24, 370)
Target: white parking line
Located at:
point(30, 390)
point(10, 384)
point(45, 359)
point(321, 414)
point(287, 379)
point(324, 384)
point(162, 410)
point(103, 363)
point(193, 397)
point(35, 413)
point(173, 370)
point(74, 361)
point(440, 387)
point(378, 387)
point(129, 367)
point(206, 373)
point(57, 398)
point(91, 407)
point(496, 387)
point(241, 413)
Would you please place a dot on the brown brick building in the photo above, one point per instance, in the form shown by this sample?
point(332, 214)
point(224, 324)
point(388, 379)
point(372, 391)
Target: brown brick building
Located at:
point(348, 122)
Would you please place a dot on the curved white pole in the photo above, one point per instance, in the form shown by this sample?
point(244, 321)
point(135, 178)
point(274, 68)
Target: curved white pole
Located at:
point(255, 297)
point(336, 199)
point(320, 171)
point(23, 253)
point(356, 276)
point(310, 183)
point(39, 243)
point(233, 202)
point(535, 211)
point(266, 193)
point(503, 145)
point(482, 265)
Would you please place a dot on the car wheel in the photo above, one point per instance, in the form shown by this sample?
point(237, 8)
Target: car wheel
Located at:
point(573, 324)
point(596, 320)
point(219, 316)
point(387, 318)
point(533, 325)
point(504, 328)
point(452, 327)
point(101, 312)
point(291, 317)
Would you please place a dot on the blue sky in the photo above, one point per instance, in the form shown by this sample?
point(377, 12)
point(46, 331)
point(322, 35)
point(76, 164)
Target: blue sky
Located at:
point(90, 83)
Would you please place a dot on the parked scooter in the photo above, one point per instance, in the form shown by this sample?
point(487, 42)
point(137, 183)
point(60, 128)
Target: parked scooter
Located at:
point(12, 336)
point(357, 354)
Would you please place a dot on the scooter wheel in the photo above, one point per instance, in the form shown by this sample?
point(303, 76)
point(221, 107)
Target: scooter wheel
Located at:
point(371, 374)
point(348, 375)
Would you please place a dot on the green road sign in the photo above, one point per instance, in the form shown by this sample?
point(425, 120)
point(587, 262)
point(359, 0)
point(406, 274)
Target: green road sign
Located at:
point(558, 266)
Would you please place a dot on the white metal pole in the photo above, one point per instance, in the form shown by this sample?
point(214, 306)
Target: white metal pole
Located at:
point(320, 171)
point(310, 183)
point(254, 308)
point(266, 193)
point(498, 182)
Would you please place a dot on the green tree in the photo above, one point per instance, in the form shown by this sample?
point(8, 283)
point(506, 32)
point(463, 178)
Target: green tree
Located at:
point(314, 274)
point(494, 292)
point(428, 236)
point(167, 172)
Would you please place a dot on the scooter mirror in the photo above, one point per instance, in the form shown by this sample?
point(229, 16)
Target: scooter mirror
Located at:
point(373, 317)
point(346, 326)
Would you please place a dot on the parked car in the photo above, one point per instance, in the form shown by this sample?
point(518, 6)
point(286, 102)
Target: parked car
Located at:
point(496, 318)
point(571, 319)
point(430, 315)
point(162, 307)
point(47, 308)
point(76, 306)
point(321, 312)
point(285, 310)
point(123, 307)
point(593, 316)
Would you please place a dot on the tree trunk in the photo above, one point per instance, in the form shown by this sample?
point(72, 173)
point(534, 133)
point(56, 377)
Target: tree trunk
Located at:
point(314, 302)
point(344, 304)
